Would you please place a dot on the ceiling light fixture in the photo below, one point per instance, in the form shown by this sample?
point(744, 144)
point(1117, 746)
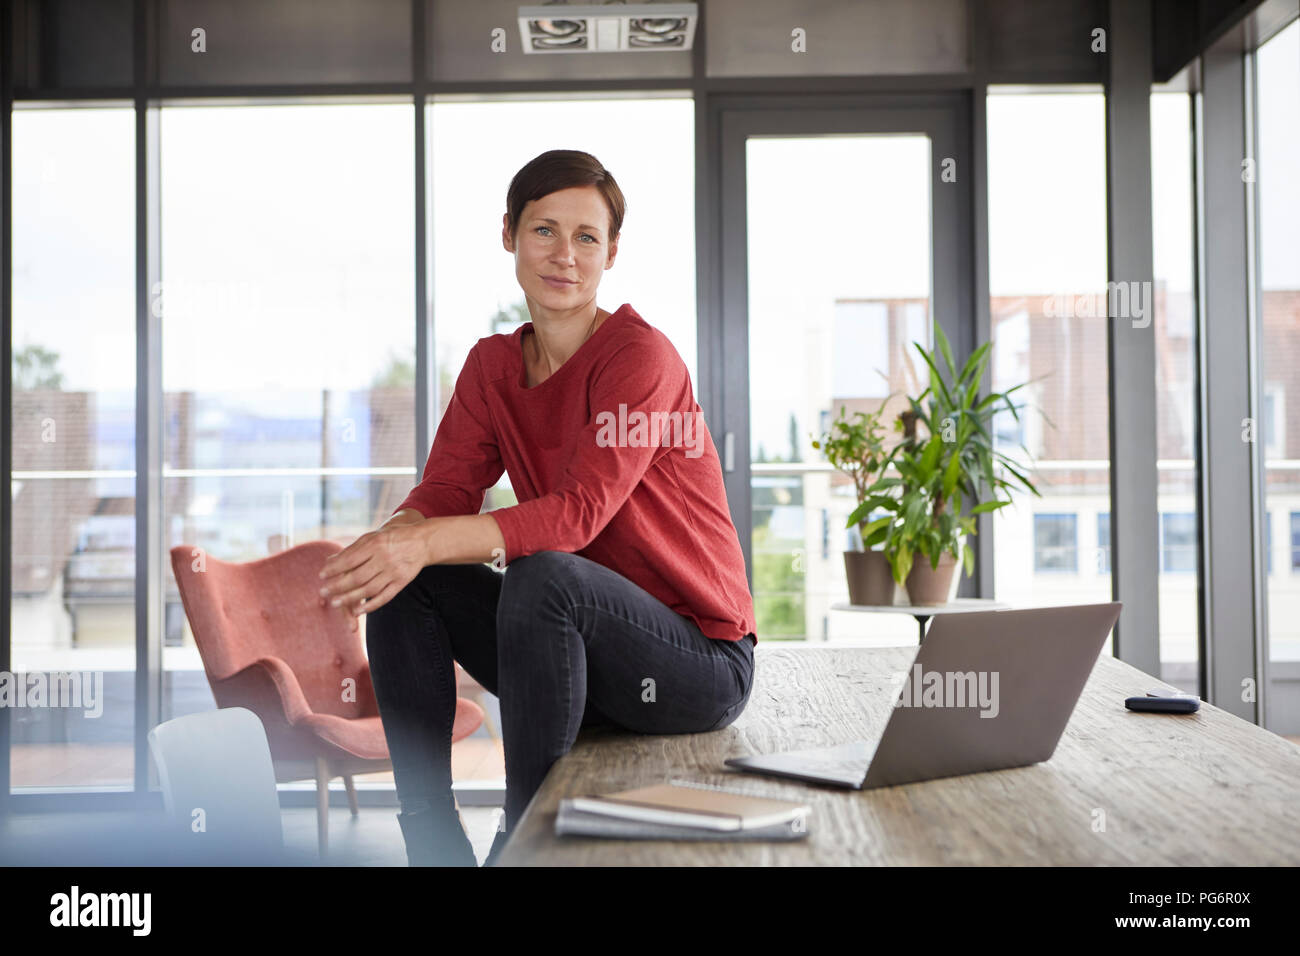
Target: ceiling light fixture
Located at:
point(607, 28)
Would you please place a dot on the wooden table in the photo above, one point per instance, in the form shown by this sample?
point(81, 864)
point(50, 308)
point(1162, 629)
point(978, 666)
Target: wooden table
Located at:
point(923, 612)
point(1123, 788)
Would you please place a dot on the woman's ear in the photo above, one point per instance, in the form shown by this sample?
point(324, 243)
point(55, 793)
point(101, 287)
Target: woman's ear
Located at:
point(505, 233)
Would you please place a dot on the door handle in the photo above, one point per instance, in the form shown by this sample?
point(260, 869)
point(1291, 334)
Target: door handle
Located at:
point(729, 451)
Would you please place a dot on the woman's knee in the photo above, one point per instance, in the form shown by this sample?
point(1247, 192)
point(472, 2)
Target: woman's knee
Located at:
point(542, 563)
point(402, 599)
point(434, 580)
point(527, 577)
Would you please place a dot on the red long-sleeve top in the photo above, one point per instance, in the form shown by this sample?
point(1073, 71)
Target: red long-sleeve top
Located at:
point(600, 465)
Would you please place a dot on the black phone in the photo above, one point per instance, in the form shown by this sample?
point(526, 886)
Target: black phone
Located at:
point(1177, 704)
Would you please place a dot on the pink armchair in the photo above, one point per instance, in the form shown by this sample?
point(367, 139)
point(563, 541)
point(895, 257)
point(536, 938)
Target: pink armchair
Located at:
point(268, 645)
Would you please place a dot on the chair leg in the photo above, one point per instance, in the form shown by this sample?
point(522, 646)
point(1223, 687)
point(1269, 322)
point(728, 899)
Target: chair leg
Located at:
point(322, 806)
point(352, 794)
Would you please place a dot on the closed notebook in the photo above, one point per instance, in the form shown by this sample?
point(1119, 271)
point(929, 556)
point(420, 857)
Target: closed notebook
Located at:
point(682, 803)
point(573, 822)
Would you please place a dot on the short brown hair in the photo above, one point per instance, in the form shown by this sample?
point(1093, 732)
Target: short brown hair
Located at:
point(562, 169)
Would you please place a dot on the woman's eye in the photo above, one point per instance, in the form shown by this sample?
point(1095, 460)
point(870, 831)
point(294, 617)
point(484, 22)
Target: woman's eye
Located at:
point(586, 235)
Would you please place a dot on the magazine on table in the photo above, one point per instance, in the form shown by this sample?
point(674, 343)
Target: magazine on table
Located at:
point(682, 803)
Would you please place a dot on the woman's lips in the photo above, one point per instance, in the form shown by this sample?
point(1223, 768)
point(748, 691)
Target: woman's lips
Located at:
point(557, 283)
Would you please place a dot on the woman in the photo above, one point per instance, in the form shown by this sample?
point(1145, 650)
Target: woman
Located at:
point(625, 599)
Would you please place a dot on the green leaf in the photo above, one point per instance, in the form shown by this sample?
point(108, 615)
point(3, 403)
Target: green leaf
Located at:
point(974, 358)
point(878, 523)
point(1025, 481)
point(936, 381)
point(945, 351)
point(930, 457)
point(951, 475)
point(981, 366)
point(968, 559)
point(914, 512)
point(988, 506)
point(1011, 407)
point(902, 565)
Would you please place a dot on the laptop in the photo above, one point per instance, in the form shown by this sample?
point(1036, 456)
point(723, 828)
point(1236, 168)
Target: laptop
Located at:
point(988, 690)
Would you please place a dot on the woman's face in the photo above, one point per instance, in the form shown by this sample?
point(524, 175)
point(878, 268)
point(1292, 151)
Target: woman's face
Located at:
point(562, 236)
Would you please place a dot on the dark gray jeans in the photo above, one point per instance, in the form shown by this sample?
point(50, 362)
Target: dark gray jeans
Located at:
point(564, 643)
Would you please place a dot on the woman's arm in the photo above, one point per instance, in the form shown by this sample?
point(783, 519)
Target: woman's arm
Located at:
point(366, 574)
point(439, 522)
point(405, 516)
point(463, 539)
point(465, 459)
point(455, 539)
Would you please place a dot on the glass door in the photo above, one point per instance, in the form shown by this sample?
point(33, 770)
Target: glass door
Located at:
point(844, 234)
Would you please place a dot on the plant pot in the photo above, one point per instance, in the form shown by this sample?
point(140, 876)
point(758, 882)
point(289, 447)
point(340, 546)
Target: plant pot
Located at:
point(927, 585)
point(869, 576)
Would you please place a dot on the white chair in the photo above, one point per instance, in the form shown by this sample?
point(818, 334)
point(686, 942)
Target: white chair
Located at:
point(218, 785)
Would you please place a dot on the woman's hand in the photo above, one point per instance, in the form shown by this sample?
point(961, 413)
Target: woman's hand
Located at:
point(371, 570)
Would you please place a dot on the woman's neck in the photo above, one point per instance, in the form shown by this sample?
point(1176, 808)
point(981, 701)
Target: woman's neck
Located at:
point(555, 340)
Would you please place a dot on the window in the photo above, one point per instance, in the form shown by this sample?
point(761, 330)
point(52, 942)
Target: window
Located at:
point(1274, 415)
point(288, 375)
point(1103, 543)
point(850, 347)
point(862, 345)
point(1277, 252)
point(1268, 540)
point(1044, 284)
point(73, 431)
point(1295, 541)
point(1174, 327)
point(1011, 364)
point(1178, 542)
point(1056, 543)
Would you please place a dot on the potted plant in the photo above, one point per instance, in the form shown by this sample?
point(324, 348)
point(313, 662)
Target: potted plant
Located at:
point(855, 446)
point(946, 477)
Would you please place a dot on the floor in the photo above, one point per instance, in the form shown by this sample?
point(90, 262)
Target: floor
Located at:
point(372, 838)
